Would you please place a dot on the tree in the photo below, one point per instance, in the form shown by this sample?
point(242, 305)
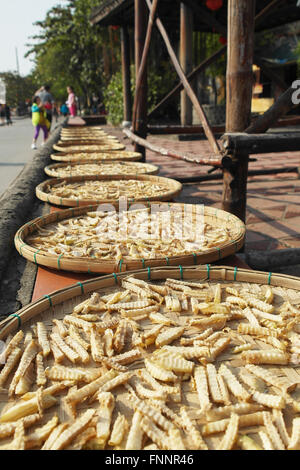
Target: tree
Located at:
point(18, 89)
point(69, 50)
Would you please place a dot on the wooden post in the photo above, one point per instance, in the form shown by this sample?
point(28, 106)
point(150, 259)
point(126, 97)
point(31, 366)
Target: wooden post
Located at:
point(239, 97)
point(125, 52)
point(186, 59)
point(143, 63)
point(141, 13)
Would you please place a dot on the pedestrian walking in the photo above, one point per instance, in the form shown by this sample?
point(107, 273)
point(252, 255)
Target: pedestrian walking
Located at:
point(8, 115)
point(2, 114)
point(71, 103)
point(55, 113)
point(47, 100)
point(39, 121)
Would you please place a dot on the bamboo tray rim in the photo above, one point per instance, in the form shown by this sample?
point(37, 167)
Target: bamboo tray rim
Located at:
point(84, 148)
point(173, 189)
point(50, 169)
point(84, 141)
point(203, 272)
point(91, 266)
point(78, 157)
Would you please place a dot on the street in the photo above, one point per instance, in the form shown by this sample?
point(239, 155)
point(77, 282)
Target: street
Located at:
point(15, 151)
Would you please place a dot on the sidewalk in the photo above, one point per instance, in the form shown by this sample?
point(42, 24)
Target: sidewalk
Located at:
point(273, 209)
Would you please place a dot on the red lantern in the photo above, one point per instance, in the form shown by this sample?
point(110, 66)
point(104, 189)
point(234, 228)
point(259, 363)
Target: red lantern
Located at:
point(223, 40)
point(115, 27)
point(214, 4)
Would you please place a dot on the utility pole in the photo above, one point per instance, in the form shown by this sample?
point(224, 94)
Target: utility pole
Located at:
point(17, 61)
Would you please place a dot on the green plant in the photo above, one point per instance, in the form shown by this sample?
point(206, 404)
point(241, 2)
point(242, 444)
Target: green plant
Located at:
point(159, 84)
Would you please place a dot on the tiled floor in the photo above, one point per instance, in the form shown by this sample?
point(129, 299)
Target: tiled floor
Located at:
point(273, 205)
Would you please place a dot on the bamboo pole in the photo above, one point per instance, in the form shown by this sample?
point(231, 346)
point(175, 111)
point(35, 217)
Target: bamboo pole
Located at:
point(214, 160)
point(125, 53)
point(143, 63)
point(239, 97)
point(268, 10)
point(140, 10)
point(186, 59)
point(209, 134)
point(282, 106)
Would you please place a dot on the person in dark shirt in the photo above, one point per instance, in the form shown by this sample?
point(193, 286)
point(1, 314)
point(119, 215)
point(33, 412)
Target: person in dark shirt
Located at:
point(2, 114)
point(8, 115)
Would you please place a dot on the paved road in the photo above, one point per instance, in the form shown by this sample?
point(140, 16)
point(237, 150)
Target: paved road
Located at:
point(15, 151)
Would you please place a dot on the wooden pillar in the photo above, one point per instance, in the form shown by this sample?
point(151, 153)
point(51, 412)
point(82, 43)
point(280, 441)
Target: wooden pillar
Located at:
point(186, 59)
point(241, 14)
point(141, 17)
point(125, 52)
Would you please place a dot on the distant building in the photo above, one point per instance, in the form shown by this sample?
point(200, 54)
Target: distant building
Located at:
point(2, 91)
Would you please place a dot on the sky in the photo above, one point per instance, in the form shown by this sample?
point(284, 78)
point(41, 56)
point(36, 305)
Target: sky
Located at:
point(16, 27)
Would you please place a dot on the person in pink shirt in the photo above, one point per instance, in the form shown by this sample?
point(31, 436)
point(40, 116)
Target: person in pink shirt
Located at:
point(71, 103)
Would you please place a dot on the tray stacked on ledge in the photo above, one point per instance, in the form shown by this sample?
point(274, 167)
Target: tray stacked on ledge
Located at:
point(87, 144)
point(87, 141)
point(158, 359)
point(83, 131)
point(66, 170)
point(88, 240)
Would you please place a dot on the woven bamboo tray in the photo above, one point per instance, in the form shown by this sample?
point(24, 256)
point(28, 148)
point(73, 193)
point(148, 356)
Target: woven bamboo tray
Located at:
point(58, 304)
point(89, 148)
point(173, 189)
point(85, 140)
point(82, 129)
point(97, 156)
point(213, 216)
point(55, 171)
point(90, 141)
point(93, 140)
point(87, 135)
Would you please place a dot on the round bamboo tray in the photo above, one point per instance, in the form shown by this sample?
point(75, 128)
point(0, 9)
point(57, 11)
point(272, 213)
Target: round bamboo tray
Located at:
point(85, 133)
point(173, 188)
point(100, 156)
point(100, 168)
point(215, 217)
point(82, 132)
point(89, 148)
point(86, 140)
point(82, 129)
point(59, 304)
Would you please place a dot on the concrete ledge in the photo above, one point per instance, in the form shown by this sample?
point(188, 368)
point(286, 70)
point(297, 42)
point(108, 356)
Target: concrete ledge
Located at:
point(273, 260)
point(18, 200)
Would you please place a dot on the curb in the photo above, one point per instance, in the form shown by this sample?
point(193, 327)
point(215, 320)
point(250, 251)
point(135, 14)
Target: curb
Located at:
point(268, 260)
point(17, 201)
